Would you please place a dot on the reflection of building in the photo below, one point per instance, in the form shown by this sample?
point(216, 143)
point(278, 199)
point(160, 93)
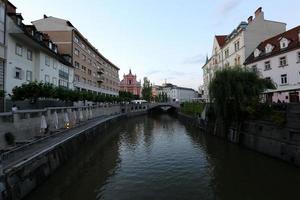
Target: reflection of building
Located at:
point(130, 84)
point(233, 49)
point(175, 93)
point(93, 72)
point(32, 56)
point(278, 59)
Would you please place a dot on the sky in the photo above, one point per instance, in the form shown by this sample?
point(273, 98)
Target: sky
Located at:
point(164, 40)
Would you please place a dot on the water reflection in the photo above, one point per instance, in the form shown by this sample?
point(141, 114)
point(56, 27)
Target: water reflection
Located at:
point(157, 157)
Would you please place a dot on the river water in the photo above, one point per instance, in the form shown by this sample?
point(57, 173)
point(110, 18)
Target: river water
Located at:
point(159, 158)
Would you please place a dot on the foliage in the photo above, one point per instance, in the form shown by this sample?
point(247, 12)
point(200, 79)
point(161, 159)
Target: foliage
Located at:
point(235, 93)
point(126, 96)
point(192, 108)
point(147, 90)
point(162, 97)
point(9, 138)
point(34, 90)
point(2, 93)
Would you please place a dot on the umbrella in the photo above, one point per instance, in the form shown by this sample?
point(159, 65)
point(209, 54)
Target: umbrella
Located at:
point(55, 120)
point(43, 123)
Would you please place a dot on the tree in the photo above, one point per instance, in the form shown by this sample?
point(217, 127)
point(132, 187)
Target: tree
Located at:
point(147, 89)
point(235, 93)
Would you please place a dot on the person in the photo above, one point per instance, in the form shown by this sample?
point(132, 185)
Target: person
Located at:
point(14, 108)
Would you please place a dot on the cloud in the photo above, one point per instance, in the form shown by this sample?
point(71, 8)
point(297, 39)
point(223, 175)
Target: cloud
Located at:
point(198, 59)
point(152, 72)
point(228, 5)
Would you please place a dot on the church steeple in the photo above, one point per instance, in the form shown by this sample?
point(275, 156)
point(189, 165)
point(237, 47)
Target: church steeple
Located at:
point(129, 71)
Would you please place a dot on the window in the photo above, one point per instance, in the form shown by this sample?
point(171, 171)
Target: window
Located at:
point(89, 60)
point(76, 78)
point(267, 65)
point(18, 73)
point(237, 61)
point(84, 80)
point(298, 57)
point(2, 21)
point(63, 83)
point(83, 68)
point(19, 50)
point(28, 75)
point(89, 72)
point(77, 65)
point(76, 39)
point(237, 45)
point(76, 52)
point(129, 82)
point(54, 81)
point(29, 54)
point(226, 53)
point(254, 68)
point(282, 61)
point(47, 60)
point(83, 57)
point(54, 64)
point(47, 78)
point(283, 79)
point(82, 45)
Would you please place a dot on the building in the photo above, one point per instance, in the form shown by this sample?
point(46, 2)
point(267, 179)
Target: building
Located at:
point(93, 72)
point(234, 48)
point(32, 56)
point(130, 84)
point(278, 59)
point(2, 49)
point(178, 94)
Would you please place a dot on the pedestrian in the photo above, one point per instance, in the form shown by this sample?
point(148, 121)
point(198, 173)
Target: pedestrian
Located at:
point(14, 108)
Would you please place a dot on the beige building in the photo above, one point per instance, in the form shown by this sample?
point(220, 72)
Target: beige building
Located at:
point(93, 72)
point(233, 49)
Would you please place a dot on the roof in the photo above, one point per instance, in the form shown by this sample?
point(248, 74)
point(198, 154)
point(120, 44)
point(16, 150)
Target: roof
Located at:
point(68, 26)
point(292, 35)
point(221, 40)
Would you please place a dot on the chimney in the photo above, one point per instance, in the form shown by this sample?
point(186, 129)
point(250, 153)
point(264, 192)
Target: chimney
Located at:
point(45, 16)
point(258, 11)
point(250, 19)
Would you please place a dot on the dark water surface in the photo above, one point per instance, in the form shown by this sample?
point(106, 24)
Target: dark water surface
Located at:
point(159, 158)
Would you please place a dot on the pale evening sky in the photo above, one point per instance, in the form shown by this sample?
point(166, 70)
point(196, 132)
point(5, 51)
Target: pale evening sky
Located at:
point(160, 39)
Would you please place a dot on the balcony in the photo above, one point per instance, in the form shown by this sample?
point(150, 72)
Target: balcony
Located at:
point(63, 74)
point(100, 71)
point(100, 79)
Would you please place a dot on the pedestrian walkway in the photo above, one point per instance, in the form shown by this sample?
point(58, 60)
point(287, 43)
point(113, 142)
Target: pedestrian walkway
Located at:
point(21, 155)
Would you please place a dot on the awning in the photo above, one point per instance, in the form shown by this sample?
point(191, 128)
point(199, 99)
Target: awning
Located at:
point(284, 88)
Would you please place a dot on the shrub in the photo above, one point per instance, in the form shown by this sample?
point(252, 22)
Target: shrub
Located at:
point(9, 138)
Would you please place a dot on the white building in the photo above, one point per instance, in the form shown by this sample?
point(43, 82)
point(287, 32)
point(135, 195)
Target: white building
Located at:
point(233, 49)
point(278, 59)
point(32, 56)
point(178, 94)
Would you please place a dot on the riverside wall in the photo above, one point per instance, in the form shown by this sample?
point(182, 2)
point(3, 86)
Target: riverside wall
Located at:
point(282, 142)
point(20, 179)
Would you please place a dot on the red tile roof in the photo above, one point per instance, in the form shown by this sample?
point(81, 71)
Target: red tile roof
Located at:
point(221, 40)
point(292, 35)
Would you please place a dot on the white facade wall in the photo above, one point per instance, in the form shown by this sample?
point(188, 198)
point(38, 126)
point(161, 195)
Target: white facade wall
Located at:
point(292, 70)
point(36, 66)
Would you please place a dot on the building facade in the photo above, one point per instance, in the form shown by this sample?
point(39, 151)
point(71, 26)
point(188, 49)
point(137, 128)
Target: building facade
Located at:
point(278, 59)
point(93, 72)
point(32, 56)
point(177, 94)
point(2, 49)
point(130, 84)
point(233, 49)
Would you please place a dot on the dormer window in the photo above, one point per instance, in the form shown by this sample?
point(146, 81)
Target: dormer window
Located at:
point(269, 48)
point(284, 43)
point(19, 21)
point(256, 53)
point(50, 45)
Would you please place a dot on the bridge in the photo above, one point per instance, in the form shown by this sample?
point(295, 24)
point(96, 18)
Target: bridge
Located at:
point(164, 106)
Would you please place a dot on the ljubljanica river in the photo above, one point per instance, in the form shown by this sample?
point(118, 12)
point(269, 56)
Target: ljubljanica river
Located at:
point(159, 158)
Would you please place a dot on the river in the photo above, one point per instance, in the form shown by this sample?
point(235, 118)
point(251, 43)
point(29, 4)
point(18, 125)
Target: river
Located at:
point(157, 157)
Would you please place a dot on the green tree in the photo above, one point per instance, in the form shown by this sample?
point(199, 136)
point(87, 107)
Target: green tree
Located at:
point(147, 89)
point(235, 93)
